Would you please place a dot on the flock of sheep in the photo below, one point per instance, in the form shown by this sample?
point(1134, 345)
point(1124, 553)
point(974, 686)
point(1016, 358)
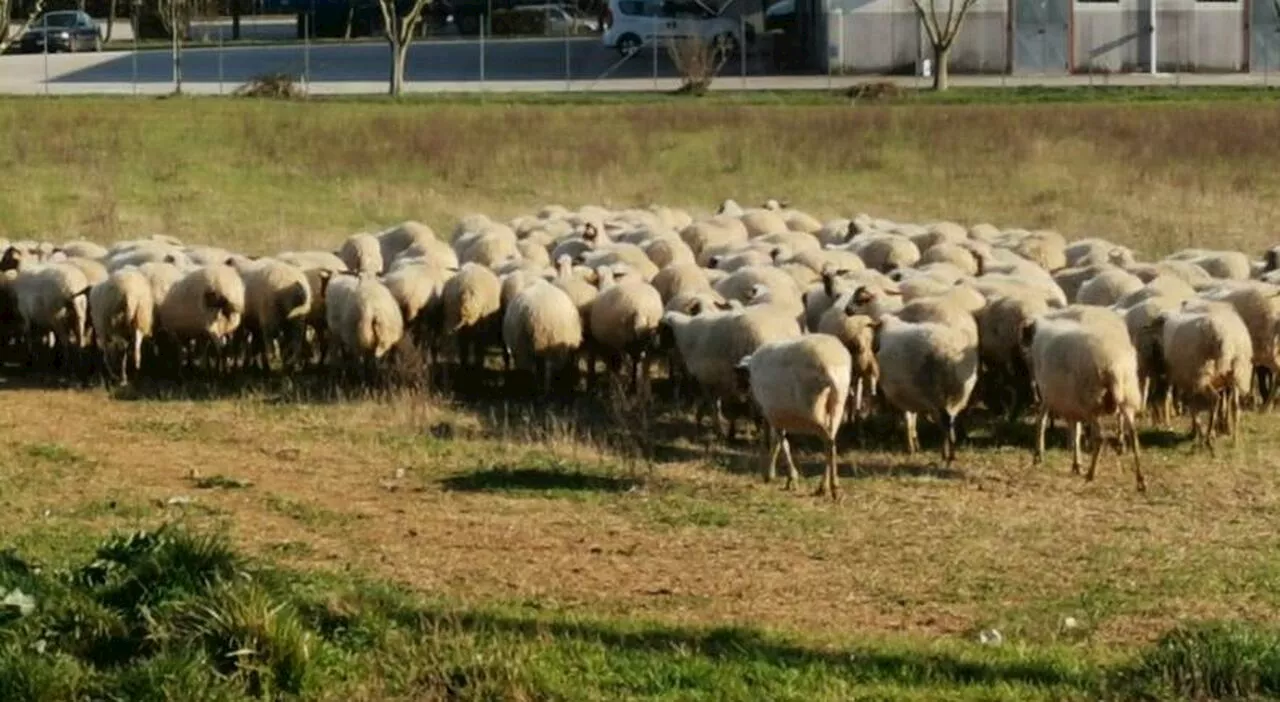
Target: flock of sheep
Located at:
point(764, 312)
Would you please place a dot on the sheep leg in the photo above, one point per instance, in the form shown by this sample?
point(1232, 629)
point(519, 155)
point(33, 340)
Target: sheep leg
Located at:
point(1096, 428)
point(1042, 424)
point(912, 441)
point(1076, 431)
point(793, 475)
point(773, 447)
point(948, 423)
point(832, 472)
point(1131, 426)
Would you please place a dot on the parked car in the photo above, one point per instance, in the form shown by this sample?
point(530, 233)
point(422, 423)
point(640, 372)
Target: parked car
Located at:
point(781, 16)
point(636, 23)
point(67, 30)
point(567, 20)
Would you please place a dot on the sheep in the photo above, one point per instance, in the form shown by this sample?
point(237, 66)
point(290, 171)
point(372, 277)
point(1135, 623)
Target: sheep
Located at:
point(1006, 378)
point(472, 311)
point(394, 241)
point(624, 321)
point(1043, 248)
point(1258, 305)
point(1084, 371)
point(885, 252)
point(707, 342)
point(1139, 318)
point(801, 221)
point(1161, 286)
point(207, 255)
point(680, 278)
point(1208, 357)
point(1089, 252)
point(1226, 265)
point(204, 306)
point(363, 318)
point(937, 234)
point(801, 386)
point(955, 254)
point(857, 333)
point(123, 313)
point(667, 251)
point(84, 249)
point(419, 292)
point(930, 368)
point(821, 259)
point(717, 231)
point(762, 222)
point(541, 330)
point(630, 255)
point(277, 298)
point(1108, 287)
point(146, 252)
point(362, 253)
point(431, 252)
point(740, 284)
point(52, 298)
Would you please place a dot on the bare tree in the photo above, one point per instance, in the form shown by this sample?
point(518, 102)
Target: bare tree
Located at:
point(399, 31)
point(942, 32)
point(111, 20)
point(6, 10)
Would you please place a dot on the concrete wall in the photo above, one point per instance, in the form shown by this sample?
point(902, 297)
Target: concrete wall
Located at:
point(1191, 36)
point(884, 36)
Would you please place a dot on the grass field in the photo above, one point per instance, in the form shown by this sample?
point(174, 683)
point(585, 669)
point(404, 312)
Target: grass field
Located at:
point(423, 548)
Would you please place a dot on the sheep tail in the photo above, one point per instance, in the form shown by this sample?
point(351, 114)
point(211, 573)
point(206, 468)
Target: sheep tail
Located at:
point(292, 300)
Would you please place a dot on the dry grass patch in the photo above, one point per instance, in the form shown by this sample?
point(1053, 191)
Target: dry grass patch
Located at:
point(366, 485)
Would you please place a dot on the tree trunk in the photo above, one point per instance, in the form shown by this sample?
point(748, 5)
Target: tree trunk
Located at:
point(111, 21)
point(941, 75)
point(351, 18)
point(398, 53)
point(235, 20)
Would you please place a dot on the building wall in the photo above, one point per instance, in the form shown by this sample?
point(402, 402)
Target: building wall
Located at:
point(884, 36)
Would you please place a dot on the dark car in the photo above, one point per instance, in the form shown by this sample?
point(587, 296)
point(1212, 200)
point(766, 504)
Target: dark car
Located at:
point(69, 30)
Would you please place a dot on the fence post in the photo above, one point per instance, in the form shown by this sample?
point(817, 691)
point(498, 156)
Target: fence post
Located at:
point(840, 39)
point(482, 32)
point(46, 52)
point(568, 60)
point(220, 60)
point(830, 63)
point(742, 46)
point(306, 54)
point(655, 52)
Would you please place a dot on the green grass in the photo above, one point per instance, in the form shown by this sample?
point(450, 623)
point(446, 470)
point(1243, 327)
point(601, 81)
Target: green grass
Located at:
point(176, 614)
point(264, 176)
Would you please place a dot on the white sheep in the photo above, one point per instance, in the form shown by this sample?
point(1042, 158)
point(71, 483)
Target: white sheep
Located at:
point(801, 386)
point(205, 306)
point(123, 313)
point(472, 312)
point(624, 320)
point(928, 368)
point(52, 298)
point(363, 318)
point(362, 253)
point(542, 331)
point(1085, 371)
point(278, 302)
point(1208, 357)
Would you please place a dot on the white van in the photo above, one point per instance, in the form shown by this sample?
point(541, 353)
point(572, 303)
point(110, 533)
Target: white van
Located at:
point(637, 23)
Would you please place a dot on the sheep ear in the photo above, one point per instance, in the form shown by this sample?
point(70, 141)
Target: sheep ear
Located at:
point(724, 306)
point(170, 258)
point(695, 308)
point(892, 291)
point(863, 296)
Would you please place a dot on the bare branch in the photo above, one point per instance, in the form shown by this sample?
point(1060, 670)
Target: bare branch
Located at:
point(924, 19)
point(8, 38)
